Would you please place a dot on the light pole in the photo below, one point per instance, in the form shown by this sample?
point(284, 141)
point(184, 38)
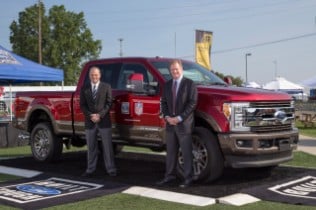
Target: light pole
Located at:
point(121, 46)
point(246, 55)
point(275, 68)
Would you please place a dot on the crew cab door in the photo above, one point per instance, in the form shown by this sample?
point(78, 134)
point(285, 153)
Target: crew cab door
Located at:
point(137, 113)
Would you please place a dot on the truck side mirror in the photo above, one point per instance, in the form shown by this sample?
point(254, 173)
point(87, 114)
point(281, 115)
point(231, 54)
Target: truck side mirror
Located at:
point(135, 83)
point(228, 80)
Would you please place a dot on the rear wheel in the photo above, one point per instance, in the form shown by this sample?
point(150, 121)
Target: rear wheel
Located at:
point(208, 163)
point(45, 146)
point(117, 148)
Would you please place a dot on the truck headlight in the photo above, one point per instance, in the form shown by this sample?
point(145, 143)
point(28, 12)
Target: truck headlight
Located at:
point(235, 114)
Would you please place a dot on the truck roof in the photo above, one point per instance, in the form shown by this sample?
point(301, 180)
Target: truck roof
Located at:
point(139, 58)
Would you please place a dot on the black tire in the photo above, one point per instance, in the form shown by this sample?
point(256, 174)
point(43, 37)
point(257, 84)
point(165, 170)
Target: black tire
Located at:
point(157, 149)
point(208, 162)
point(117, 148)
point(45, 146)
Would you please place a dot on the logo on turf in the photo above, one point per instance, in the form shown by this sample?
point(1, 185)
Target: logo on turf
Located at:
point(44, 189)
point(304, 187)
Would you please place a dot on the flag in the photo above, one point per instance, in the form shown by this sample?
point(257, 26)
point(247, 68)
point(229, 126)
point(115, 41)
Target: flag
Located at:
point(203, 44)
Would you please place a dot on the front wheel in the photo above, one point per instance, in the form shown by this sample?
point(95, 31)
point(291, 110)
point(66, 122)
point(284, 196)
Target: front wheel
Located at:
point(45, 146)
point(208, 163)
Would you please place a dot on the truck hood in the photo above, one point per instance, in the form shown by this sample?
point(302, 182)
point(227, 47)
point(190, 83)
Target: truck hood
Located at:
point(232, 93)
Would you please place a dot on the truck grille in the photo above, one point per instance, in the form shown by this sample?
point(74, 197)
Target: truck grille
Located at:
point(269, 117)
point(271, 128)
point(271, 104)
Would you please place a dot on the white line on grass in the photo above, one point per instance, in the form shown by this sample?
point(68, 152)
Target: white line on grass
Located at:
point(170, 196)
point(238, 199)
point(19, 172)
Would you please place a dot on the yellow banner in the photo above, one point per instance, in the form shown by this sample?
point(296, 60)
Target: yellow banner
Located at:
point(203, 44)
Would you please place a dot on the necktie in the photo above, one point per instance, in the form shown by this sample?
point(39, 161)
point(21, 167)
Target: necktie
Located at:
point(174, 96)
point(94, 92)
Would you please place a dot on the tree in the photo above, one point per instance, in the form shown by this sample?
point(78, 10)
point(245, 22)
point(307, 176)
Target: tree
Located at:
point(238, 81)
point(66, 40)
point(24, 33)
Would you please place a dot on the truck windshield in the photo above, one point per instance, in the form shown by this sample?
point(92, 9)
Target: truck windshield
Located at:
point(191, 70)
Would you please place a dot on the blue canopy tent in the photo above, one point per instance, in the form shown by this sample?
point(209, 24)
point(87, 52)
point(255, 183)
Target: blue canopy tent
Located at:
point(15, 69)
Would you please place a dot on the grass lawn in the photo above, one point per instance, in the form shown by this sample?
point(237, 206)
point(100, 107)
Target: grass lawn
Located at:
point(6, 177)
point(302, 159)
point(308, 131)
point(26, 151)
point(131, 202)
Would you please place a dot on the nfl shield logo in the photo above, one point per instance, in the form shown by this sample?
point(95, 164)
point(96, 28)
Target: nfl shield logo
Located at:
point(138, 108)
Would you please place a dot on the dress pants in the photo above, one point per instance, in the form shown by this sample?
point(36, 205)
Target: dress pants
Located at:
point(92, 154)
point(174, 139)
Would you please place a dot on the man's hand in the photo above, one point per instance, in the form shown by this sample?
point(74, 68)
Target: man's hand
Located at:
point(172, 120)
point(95, 118)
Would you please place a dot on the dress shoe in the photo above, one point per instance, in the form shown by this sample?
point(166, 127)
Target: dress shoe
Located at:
point(87, 175)
point(186, 183)
point(165, 181)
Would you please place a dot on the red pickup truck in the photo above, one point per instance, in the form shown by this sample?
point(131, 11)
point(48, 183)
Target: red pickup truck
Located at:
point(234, 126)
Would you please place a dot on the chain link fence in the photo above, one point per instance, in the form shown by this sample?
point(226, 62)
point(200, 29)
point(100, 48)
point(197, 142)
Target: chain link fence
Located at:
point(309, 106)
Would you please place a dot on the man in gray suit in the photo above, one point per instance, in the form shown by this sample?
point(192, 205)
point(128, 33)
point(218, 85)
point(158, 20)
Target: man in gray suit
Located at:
point(178, 102)
point(95, 103)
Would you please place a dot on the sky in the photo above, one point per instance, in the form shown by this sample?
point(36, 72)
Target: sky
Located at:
point(280, 35)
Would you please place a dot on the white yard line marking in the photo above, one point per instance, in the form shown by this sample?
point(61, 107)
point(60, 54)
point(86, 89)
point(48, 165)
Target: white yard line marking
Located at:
point(19, 172)
point(238, 199)
point(170, 196)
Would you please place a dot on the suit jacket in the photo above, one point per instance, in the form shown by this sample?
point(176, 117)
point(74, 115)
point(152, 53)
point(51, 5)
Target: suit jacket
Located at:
point(100, 105)
point(185, 104)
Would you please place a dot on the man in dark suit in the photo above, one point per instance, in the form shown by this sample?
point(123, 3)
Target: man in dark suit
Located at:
point(178, 102)
point(95, 103)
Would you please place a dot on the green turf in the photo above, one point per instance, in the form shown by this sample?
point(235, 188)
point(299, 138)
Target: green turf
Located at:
point(306, 131)
point(6, 177)
point(302, 159)
point(131, 202)
point(26, 151)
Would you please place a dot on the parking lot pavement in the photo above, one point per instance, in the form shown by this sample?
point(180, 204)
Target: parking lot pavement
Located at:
point(307, 144)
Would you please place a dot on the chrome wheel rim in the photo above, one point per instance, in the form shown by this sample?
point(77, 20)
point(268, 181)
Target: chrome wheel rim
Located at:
point(41, 144)
point(200, 157)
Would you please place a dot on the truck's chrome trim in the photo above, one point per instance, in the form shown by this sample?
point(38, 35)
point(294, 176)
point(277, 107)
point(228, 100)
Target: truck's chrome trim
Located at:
point(262, 116)
point(268, 116)
point(131, 120)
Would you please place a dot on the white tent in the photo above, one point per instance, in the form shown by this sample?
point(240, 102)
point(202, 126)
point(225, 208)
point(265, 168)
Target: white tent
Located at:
point(311, 82)
point(284, 85)
point(252, 85)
